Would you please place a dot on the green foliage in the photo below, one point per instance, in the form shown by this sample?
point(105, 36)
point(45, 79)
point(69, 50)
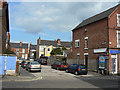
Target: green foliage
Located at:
point(8, 51)
point(63, 48)
point(56, 51)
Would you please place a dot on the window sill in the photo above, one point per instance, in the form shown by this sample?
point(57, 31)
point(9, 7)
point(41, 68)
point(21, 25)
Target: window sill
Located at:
point(85, 48)
point(77, 47)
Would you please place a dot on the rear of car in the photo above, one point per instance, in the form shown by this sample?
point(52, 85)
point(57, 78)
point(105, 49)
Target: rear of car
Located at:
point(63, 66)
point(43, 62)
point(24, 63)
point(33, 66)
point(82, 69)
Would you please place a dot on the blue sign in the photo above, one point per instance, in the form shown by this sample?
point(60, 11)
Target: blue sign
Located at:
point(115, 51)
point(101, 62)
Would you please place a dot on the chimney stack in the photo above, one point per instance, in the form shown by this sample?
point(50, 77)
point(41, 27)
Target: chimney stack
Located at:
point(58, 41)
point(8, 36)
point(1, 3)
point(38, 41)
point(20, 43)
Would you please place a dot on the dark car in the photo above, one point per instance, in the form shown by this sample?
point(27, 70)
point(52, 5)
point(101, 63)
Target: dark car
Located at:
point(59, 65)
point(42, 61)
point(77, 69)
point(24, 63)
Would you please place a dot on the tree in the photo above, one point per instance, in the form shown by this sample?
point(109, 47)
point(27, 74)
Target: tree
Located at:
point(56, 51)
point(63, 48)
point(8, 51)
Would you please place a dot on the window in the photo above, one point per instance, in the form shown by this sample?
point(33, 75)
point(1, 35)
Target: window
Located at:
point(23, 50)
point(17, 50)
point(77, 43)
point(48, 49)
point(42, 49)
point(86, 42)
point(23, 55)
point(118, 41)
point(118, 20)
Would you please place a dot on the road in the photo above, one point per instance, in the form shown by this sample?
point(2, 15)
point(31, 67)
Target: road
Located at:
point(51, 78)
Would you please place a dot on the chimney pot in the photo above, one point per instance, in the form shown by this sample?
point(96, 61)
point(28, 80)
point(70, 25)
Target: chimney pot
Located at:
point(20, 43)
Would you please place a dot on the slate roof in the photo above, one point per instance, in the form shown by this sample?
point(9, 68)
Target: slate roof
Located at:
point(17, 45)
point(97, 17)
point(54, 43)
point(33, 47)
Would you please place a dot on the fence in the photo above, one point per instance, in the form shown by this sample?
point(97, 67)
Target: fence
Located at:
point(8, 65)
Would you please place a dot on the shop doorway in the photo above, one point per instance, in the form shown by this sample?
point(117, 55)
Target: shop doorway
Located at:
point(114, 64)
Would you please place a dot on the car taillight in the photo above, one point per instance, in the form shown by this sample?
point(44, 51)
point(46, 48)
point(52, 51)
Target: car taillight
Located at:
point(30, 65)
point(78, 69)
point(40, 66)
point(24, 64)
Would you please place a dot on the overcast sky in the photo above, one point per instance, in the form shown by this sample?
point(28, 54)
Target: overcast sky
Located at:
point(29, 20)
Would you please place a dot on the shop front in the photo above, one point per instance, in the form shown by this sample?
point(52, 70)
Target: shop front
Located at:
point(114, 61)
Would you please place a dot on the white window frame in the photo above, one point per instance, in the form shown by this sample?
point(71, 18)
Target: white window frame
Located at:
point(23, 50)
point(117, 39)
point(118, 23)
point(86, 38)
point(77, 41)
point(23, 56)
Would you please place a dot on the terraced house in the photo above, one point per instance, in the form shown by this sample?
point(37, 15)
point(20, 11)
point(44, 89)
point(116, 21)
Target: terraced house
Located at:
point(44, 47)
point(20, 49)
point(4, 26)
point(98, 36)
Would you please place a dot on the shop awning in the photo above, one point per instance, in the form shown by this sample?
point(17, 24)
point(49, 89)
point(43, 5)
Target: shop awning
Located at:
point(100, 50)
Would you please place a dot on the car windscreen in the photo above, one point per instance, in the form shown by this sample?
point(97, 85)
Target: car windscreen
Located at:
point(34, 63)
point(82, 66)
point(64, 64)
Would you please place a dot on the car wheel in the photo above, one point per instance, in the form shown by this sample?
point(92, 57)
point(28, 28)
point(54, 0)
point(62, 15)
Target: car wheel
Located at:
point(57, 68)
point(66, 71)
point(29, 70)
point(76, 73)
point(85, 73)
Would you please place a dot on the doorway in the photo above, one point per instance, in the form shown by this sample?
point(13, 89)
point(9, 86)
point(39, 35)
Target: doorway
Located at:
point(114, 64)
point(86, 61)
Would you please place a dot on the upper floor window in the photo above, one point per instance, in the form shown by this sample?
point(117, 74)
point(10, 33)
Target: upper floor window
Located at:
point(23, 50)
point(118, 20)
point(42, 49)
point(86, 42)
point(48, 49)
point(118, 39)
point(77, 43)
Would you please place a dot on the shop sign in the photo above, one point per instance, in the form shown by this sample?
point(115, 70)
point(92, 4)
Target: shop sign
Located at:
point(101, 62)
point(115, 51)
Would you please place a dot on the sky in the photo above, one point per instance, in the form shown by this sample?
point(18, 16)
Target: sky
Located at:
point(50, 20)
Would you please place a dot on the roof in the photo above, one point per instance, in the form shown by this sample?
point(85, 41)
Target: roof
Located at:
point(33, 47)
point(54, 43)
point(97, 17)
point(17, 45)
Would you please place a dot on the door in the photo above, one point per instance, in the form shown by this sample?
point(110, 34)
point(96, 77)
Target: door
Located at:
point(86, 61)
point(114, 64)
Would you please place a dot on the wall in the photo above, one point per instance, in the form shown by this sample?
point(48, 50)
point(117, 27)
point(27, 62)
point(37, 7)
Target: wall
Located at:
point(97, 34)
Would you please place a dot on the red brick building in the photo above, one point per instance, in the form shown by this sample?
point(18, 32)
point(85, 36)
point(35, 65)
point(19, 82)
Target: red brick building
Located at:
point(20, 49)
point(4, 26)
point(95, 36)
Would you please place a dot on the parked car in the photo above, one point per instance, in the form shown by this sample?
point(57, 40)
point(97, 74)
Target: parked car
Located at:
point(33, 66)
point(77, 69)
point(20, 60)
point(42, 61)
point(59, 65)
point(23, 64)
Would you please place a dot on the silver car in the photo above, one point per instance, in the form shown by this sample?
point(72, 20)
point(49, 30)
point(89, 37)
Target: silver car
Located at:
point(33, 66)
